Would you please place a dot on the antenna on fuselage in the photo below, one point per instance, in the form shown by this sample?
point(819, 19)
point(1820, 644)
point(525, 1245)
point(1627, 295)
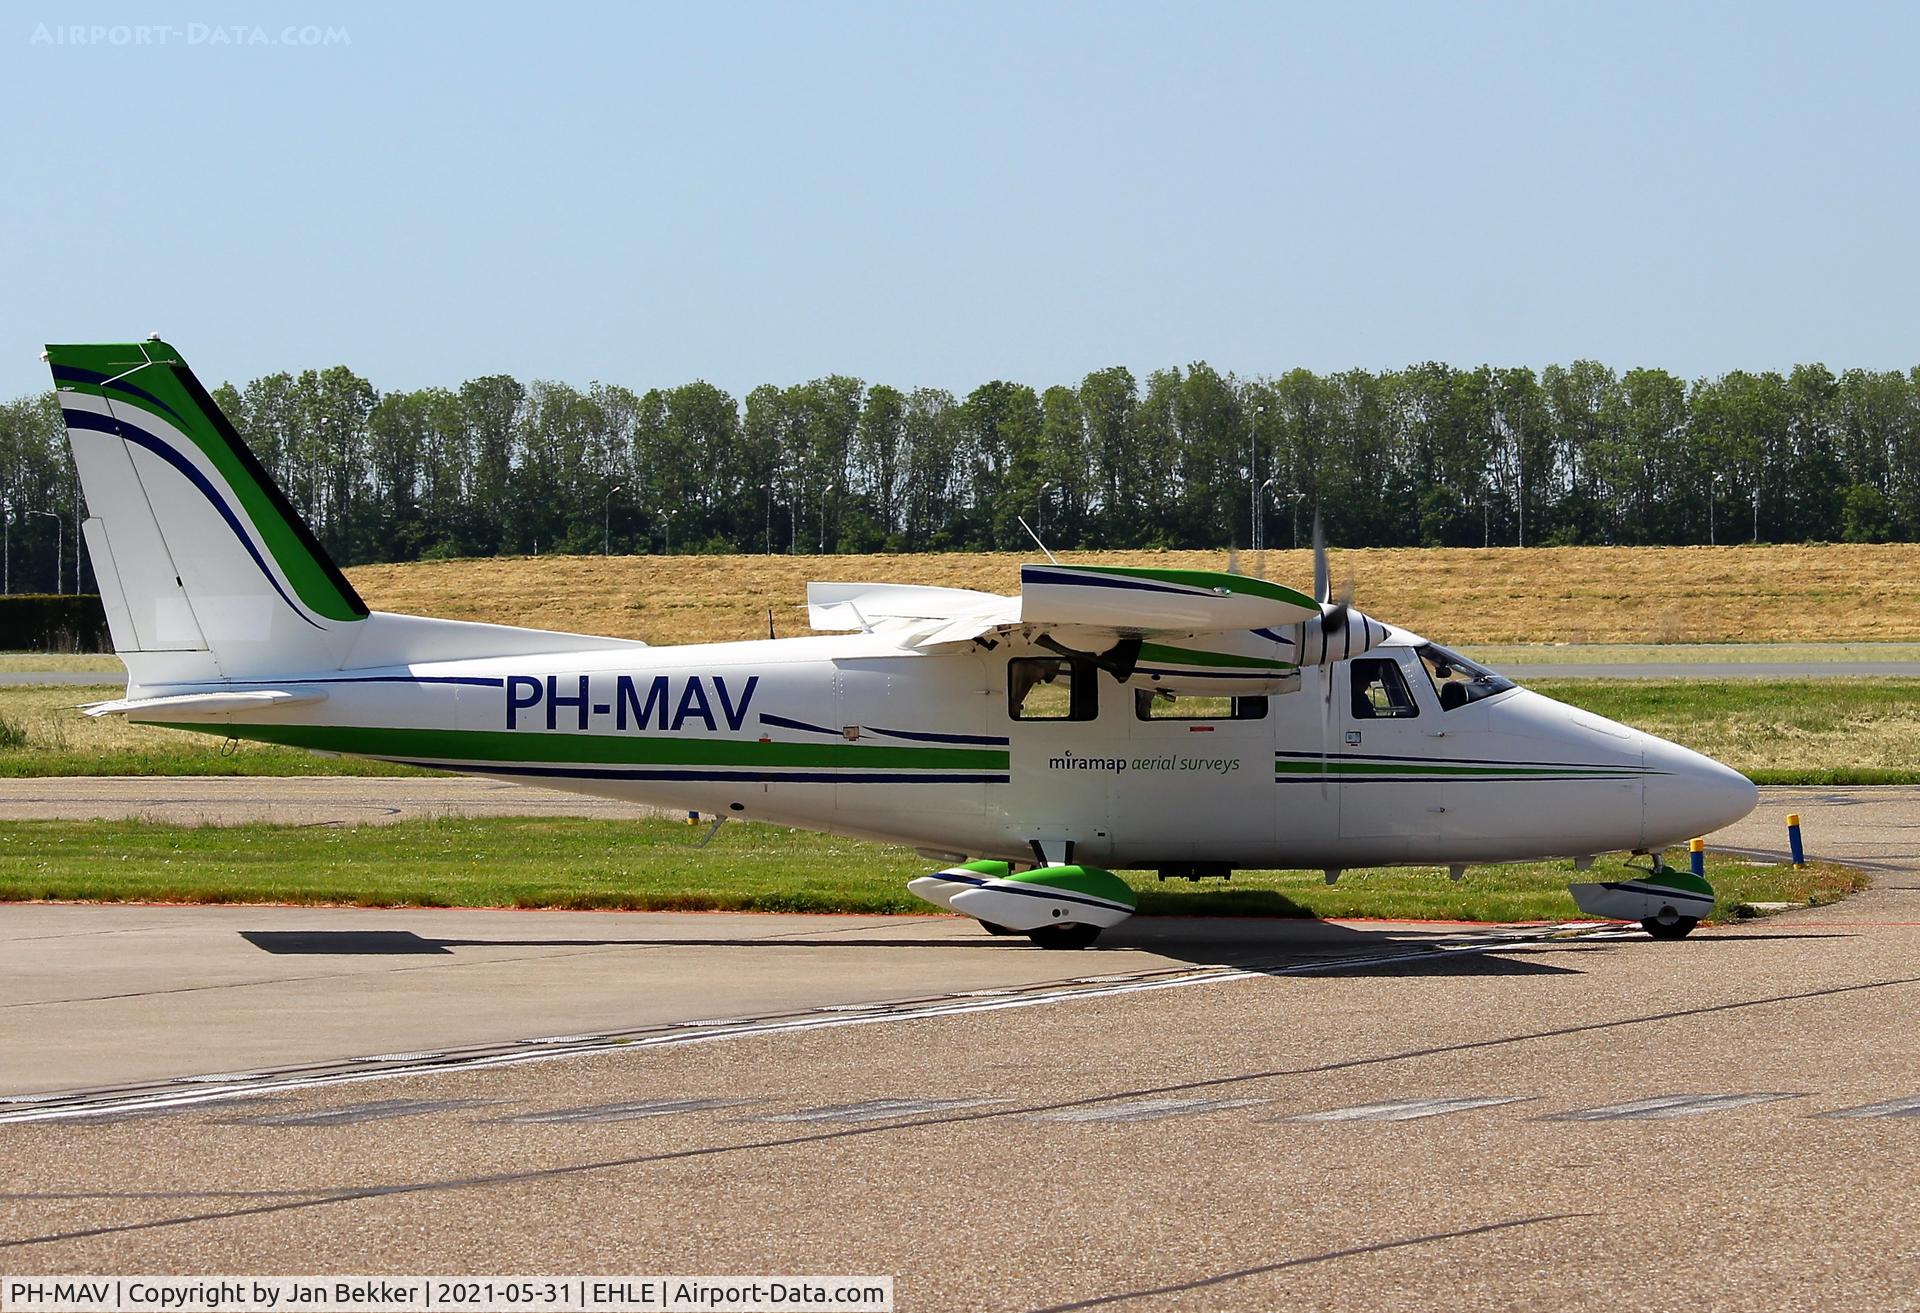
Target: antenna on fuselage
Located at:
point(1036, 538)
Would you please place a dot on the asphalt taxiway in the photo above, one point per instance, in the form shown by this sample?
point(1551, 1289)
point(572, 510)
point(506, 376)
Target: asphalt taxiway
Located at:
point(1221, 1114)
point(291, 800)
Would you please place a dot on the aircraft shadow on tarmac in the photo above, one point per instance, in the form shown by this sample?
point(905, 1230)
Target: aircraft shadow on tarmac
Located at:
point(1296, 945)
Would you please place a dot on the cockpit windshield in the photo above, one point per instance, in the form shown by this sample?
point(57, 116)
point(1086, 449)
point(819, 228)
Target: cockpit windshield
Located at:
point(1457, 680)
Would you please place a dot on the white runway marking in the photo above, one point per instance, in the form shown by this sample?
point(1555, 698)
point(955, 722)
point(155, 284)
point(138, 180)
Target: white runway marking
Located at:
point(1907, 1107)
point(363, 1112)
point(1404, 1110)
point(166, 1095)
point(874, 1110)
point(1142, 1110)
point(621, 1112)
point(1666, 1106)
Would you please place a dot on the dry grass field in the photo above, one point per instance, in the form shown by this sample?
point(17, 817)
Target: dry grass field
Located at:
point(1817, 594)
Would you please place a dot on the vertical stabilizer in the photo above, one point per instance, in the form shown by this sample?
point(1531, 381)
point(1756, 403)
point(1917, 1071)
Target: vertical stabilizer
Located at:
point(205, 571)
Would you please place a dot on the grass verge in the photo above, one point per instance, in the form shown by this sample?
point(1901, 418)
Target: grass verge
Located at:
point(1809, 731)
point(42, 733)
point(1502, 655)
point(656, 865)
point(101, 663)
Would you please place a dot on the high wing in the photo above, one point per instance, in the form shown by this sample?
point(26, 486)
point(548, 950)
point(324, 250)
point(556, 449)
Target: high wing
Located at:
point(1185, 631)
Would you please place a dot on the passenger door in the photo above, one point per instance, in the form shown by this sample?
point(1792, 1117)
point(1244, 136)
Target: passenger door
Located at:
point(1068, 750)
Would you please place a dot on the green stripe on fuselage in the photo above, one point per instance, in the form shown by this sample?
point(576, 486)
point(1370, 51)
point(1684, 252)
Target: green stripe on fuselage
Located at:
point(1447, 770)
point(506, 746)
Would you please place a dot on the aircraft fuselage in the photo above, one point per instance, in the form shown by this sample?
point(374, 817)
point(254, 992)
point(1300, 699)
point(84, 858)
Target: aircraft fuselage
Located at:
point(852, 734)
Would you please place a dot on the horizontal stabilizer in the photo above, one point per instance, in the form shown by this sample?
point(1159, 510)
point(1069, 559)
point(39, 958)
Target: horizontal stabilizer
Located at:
point(197, 706)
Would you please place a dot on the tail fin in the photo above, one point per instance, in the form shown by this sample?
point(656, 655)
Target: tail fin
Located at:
point(205, 571)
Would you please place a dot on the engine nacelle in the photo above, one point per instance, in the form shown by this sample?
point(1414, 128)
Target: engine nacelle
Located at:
point(1250, 663)
point(1337, 633)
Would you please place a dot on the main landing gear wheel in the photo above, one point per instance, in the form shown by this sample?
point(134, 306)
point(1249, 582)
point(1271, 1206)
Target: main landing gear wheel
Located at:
point(1065, 934)
point(1669, 924)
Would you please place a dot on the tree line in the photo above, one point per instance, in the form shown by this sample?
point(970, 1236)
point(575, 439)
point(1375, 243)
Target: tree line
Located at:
point(1430, 455)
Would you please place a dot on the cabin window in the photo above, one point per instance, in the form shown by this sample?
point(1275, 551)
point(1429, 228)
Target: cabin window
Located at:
point(1380, 691)
point(1159, 704)
point(1052, 688)
point(1457, 680)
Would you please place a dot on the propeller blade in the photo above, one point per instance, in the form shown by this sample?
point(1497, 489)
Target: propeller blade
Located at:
point(1326, 725)
point(1322, 589)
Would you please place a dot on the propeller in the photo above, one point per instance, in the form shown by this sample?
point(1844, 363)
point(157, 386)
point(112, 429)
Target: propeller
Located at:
point(1338, 632)
point(1332, 619)
point(1322, 587)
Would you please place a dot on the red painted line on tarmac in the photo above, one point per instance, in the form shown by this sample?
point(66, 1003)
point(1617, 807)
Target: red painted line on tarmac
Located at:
point(1841, 925)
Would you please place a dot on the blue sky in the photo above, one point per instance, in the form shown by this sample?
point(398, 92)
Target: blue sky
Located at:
point(920, 195)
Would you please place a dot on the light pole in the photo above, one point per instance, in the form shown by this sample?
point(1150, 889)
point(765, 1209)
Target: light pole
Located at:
point(1713, 495)
point(1520, 477)
point(1257, 490)
point(1260, 517)
point(669, 551)
point(1295, 499)
point(1040, 508)
point(59, 552)
point(606, 521)
point(1756, 510)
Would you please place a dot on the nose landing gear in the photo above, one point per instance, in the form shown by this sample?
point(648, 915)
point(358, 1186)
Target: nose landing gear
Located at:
point(1667, 903)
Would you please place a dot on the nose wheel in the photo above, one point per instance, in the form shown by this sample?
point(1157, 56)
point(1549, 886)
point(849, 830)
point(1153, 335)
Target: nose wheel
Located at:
point(1065, 934)
point(1669, 924)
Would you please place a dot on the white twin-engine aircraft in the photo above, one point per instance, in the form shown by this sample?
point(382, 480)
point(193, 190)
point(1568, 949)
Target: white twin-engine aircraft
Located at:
point(1185, 721)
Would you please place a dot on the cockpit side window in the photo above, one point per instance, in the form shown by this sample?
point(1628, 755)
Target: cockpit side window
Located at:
point(1457, 680)
point(1380, 691)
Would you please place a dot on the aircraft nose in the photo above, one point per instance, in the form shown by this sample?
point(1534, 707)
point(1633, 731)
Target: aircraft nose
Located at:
point(1688, 794)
